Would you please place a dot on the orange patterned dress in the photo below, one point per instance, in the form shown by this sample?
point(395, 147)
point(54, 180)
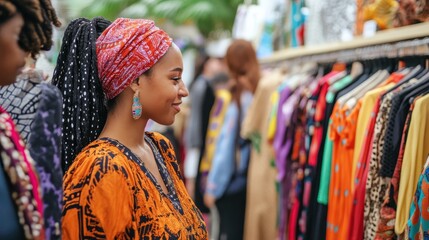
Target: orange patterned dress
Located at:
point(109, 194)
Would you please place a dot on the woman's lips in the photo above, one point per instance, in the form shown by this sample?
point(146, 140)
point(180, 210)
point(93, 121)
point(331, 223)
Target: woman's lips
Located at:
point(176, 106)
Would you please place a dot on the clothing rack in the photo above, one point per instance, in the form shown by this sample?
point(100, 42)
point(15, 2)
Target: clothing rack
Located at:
point(399, 42)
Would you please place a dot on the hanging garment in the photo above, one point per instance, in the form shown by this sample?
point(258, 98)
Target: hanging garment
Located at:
point(386, 223)
point(262, 195)
point(416, 151)
point(374, 187)
point(418, 222)
point(318, 205)
point(364, 132)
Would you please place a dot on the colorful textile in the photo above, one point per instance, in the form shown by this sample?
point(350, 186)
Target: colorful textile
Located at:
point(343, 131)
point(261, 201)
point(18, 166)
point(415, 153)
point(228, 173)
point(418, 223)
point(110, 194)
point(356, 228)
point(375, 187)
point(386, 226)
point(381, 11)
point(127, 49)
point(217, 116)
point(36, 108)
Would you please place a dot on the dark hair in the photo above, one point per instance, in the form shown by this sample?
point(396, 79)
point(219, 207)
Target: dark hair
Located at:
point(220, 78)
point(39, 15)
point(76, 75)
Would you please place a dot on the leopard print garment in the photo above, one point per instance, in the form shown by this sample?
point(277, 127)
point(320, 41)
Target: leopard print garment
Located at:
point(375, 188)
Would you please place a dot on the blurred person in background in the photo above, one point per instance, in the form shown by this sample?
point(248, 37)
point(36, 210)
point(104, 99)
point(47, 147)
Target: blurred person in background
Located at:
point(215, 120)
point(227, 178)
point(201, 101)
point(25, 29)
point(121, 181)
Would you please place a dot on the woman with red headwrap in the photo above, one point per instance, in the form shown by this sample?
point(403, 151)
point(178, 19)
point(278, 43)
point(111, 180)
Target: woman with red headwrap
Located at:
point(124, 182)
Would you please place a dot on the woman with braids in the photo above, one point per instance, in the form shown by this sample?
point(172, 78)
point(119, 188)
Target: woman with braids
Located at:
point(122, 182)
point(25, 28)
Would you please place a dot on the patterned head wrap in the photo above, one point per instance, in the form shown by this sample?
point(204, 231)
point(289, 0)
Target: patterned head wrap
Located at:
point(127, 49)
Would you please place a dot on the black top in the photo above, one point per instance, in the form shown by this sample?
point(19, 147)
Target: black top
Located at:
point(401, 103)
point(206, 106)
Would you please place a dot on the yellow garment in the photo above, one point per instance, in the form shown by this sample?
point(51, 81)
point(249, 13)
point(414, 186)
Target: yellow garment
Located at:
point(217, 115)
point(274, 103)
point(368, 103)
point(381, 11)
point(416, 152)
point(261, 200)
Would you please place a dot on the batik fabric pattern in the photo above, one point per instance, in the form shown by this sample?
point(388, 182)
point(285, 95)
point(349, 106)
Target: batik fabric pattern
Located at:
point(109, 194)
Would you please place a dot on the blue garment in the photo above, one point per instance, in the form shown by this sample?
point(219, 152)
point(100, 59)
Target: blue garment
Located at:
point(10, 228)
point(418, 222)
point(225, 168)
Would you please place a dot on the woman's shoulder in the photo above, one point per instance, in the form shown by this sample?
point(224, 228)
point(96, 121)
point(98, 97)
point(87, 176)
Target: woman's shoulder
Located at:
point(99, 157)
point(162, 141)
point(166, 149)
point(100, 148)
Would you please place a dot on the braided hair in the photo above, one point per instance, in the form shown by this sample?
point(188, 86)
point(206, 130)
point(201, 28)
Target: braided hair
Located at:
point(39, 15)
point(76, 75)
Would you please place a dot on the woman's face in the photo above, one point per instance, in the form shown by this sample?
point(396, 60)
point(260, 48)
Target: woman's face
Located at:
point(245, 76)
point(12, 57)
point(162, 91)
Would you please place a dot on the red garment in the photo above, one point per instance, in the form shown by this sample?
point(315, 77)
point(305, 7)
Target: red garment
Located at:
point(355, 231)
point(127, 49)
point(316, 141)
point(319, 116)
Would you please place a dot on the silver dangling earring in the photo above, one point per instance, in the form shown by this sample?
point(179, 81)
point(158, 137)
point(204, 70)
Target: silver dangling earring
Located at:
point(137, 106)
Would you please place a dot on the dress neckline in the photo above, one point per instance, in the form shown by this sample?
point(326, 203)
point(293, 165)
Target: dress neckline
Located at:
point(162, 168)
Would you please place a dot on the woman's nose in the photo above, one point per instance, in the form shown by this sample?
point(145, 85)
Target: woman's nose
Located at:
point(183, 91)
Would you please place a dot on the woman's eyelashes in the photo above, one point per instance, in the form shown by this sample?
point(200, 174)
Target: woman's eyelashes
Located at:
point(176, 79)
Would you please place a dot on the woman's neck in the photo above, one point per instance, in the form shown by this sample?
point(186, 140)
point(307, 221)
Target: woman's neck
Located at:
point(126, 130)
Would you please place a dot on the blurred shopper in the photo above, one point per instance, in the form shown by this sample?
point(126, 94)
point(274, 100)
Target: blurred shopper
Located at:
point(216, 118)
point(25, 28)
point(201, 101)
point(35, 106)
point(227, 179)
